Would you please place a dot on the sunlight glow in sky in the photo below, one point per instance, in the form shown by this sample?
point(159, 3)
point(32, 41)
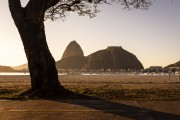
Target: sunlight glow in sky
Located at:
point(152, 35)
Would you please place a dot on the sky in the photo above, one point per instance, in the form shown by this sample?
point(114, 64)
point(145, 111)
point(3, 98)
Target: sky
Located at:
point(152, 35)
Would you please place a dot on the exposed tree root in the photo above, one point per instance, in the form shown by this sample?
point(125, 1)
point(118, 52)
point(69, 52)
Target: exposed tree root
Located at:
point(61, 92)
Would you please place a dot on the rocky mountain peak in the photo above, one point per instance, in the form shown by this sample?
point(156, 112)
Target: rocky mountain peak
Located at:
point(73, 49)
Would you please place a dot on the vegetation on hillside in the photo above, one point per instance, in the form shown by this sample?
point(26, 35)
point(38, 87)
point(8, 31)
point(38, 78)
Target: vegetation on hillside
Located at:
point(177, 64)
point(113, 58)
point(73, 62)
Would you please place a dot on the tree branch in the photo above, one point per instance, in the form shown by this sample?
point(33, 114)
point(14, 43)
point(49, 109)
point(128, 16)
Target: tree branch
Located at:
point(51, 3)
point(88, 7)
point(14, 7)
point(16, 11)
point(35, 10)
point(18, 15)
point(55, 9)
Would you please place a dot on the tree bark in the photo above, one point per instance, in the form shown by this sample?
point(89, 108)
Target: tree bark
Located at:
point(30, 24)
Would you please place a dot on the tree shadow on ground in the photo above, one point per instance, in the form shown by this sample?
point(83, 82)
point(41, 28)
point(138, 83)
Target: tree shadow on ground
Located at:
point(116, 108)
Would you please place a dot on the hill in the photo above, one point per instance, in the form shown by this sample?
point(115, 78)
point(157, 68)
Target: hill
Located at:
point(21, 67)
point(113, 58)
point(177, 64)
point(6, 69)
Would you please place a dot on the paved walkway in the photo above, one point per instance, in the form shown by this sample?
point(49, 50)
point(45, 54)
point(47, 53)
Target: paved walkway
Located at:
point(88, 109)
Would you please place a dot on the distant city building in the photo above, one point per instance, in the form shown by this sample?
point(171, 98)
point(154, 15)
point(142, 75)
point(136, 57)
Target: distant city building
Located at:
point(174, 69)
point(154, 69)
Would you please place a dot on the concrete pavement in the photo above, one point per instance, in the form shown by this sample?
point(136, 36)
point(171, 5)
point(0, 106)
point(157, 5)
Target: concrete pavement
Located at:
point(88, 109)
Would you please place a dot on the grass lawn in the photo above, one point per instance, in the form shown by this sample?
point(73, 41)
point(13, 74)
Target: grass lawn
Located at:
point(105, 87)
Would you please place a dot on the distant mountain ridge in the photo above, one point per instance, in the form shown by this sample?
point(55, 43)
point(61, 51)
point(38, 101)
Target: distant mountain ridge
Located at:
point(114, 57)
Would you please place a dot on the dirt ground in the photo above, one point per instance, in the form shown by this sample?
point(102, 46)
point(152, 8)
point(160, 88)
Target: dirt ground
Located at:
point(88, 109)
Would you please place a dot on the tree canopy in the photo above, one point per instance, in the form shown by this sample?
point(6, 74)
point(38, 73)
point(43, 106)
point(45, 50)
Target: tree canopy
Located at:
point(59, 8)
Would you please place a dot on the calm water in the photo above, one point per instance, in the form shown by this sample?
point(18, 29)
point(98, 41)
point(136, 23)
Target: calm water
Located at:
point(21, 73)
point(14, 73)
point(26, 73)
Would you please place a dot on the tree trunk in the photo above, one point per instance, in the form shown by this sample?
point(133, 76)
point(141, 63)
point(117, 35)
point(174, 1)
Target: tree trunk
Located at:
point(43, 72)
point(44, 76)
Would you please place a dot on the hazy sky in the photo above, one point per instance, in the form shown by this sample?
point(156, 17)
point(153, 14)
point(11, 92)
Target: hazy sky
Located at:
point(152, 35)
